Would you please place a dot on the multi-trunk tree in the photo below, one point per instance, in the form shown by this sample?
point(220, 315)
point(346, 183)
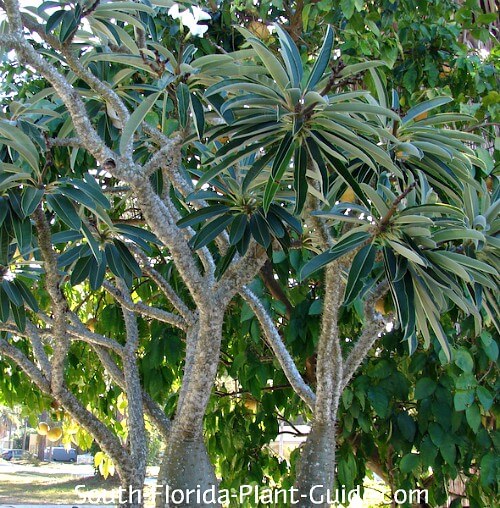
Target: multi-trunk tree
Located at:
point(152, 186)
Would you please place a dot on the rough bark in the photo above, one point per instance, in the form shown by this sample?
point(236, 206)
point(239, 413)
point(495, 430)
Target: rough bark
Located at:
point(186, 465)
point(316, 468)
point(274, 340)
point(317, 463)
point(136, 426)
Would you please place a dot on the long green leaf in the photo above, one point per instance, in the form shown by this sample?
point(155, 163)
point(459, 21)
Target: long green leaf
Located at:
point(76, 195)
point(54, 20)
point(13, 293)
point(433, 317)
point(260, 230)
point(287, 217)
point(183, 102)
point(271, 63)
point(424, 107)
point(458, 234)
point(408, 253)
point(300, 184)
point(65, 210)
point(127, 258)
point(93, 244)
point(210, 231)
point(349, 70)
point(202, 215)
point(322, 61)
point(377, 200)
point(19, 316)
point(126, 60)
point(26, 294)
point(81, 270)
point(8, 181)
point(114, 260)
point(238, 86)
point(346, 244)
point(238, 228)
point(228, 161)
point(446, 118)
point(473, 263)
point(198, 115)
point(361, 267)
point(23, 233)
point(256, 168)
point(90, 187)
point(96, 273)
point(366, 109)
point(449, 264)
point(30, 200)
point(291, 56)
point(279, 168)
point(136, 119)
point(21, 143)
point(438, 208)
point(110, 8)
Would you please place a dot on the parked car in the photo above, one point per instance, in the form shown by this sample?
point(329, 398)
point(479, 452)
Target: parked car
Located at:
point(14, 453)
point(60, 454)
point(85, 458)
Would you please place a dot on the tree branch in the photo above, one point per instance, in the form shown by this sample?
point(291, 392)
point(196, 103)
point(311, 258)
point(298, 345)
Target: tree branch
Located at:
point(107, 93)
point(153, 410)
point(274, 287)
point(275, 342)
point(163, 225)
point(384, 221)
point(168, 159)
point(375, 325)
point(163, 285)
point(28, 367)
point(329, 364)
point(137, 430)
point(170, 170)
point(81, 332)
point(38, 350)
point(102, 434)
point(59, 304)
point(204, 253)
point(63, 142)
point(31, 333)
point(161, 157)
point(241, 272)
point(317, 224)
point(142, 308)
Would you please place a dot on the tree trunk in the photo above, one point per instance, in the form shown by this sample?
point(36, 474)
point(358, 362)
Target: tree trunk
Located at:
point(41, 443)
point(132, 492)
point(316, 467)
point(187, 476)
point(186, 467)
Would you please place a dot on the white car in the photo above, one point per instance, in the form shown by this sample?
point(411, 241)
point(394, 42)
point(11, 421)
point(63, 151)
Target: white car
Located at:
point(60, 454)
point(85, 458)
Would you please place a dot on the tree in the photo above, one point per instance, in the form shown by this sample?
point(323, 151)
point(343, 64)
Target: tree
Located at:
point(236, 166)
